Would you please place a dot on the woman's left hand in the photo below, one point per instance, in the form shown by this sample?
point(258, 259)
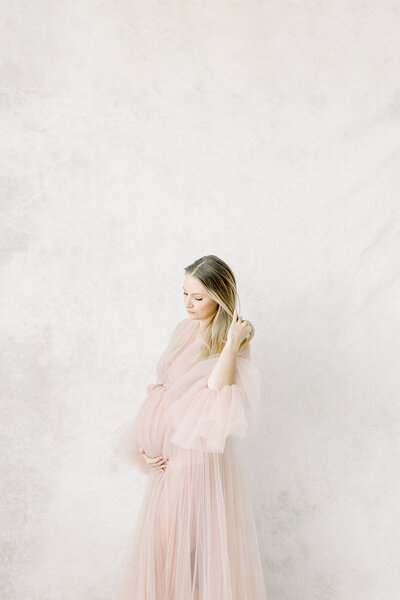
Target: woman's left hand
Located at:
point(238, 330)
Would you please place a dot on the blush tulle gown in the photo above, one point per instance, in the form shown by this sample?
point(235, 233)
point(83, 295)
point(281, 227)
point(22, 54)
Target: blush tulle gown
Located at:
point(195, 536)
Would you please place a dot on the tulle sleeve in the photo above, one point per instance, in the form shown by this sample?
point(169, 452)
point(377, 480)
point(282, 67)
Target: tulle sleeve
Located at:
point(203, 418)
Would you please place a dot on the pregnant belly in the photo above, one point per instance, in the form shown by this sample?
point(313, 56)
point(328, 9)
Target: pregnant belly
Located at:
point(150, 423)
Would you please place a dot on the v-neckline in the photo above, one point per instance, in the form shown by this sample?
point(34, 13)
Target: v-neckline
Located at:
point(190, 339)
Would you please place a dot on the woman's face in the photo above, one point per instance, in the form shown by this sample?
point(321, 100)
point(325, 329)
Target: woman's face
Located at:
point(198, 304)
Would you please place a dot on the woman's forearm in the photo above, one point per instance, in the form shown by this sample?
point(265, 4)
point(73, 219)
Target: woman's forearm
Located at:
point(224, 371)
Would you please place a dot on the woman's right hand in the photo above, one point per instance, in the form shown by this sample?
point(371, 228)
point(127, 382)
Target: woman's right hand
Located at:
point(239, 329)
point(158, 462)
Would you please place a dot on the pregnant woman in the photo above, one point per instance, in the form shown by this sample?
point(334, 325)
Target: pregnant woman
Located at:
point(195, 536)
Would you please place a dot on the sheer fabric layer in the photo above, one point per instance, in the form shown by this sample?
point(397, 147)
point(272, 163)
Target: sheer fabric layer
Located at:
point(195, 536)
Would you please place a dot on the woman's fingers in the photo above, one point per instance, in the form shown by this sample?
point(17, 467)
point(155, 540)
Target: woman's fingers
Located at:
point(162, 463)
point(157, 462)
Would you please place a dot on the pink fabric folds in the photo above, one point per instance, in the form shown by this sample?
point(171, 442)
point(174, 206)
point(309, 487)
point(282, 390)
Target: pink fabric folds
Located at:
point(203, 418)
point(195, 537)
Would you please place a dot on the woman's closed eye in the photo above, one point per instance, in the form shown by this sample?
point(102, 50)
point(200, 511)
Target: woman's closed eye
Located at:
point(185, 294)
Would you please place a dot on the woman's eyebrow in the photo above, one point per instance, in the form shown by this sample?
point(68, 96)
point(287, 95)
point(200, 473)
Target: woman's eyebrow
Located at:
point(199, 294)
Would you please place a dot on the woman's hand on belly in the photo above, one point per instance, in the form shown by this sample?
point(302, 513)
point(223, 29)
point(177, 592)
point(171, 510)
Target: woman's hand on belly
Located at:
point(159, 462)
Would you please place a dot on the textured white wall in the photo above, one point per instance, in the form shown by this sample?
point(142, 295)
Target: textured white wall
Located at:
point(136, 137)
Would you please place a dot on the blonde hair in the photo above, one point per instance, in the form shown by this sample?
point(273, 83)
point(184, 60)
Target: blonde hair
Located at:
point(220, 283)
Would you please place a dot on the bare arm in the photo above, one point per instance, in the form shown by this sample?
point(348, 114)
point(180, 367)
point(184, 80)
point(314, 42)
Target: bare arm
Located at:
point(224, 371)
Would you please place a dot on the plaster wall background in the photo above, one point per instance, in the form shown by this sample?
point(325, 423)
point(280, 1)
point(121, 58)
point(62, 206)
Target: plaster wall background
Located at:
point(136, 137)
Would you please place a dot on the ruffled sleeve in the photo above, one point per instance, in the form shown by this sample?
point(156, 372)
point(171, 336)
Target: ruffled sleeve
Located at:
point(202, 418)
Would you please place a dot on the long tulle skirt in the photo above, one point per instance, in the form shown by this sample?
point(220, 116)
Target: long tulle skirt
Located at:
point(195, 536)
